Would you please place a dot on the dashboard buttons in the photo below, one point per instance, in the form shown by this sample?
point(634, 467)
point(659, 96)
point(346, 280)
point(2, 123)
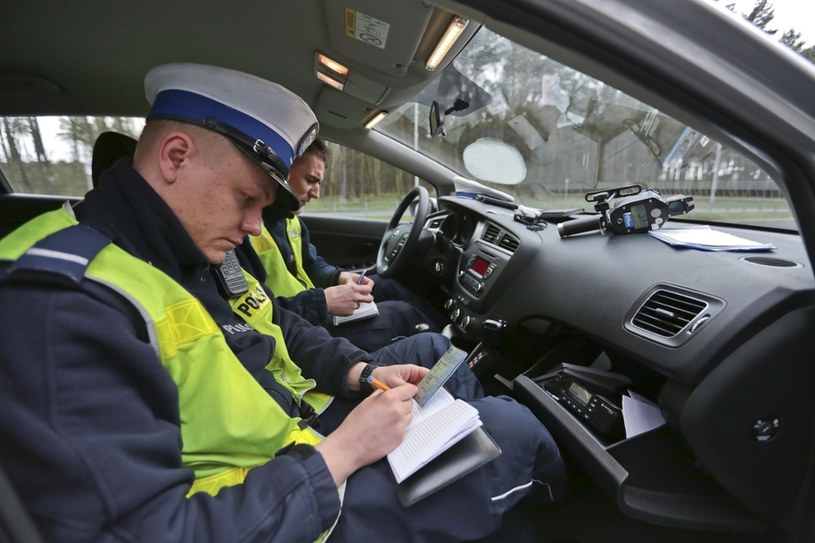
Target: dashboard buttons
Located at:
point(472, 283)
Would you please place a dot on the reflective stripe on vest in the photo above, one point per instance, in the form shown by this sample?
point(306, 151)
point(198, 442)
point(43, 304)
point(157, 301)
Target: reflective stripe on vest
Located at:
point(278, 276)
point(255, 307)
point(220, 442)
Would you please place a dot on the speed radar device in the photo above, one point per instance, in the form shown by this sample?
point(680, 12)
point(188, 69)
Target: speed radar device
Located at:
point(635, 211)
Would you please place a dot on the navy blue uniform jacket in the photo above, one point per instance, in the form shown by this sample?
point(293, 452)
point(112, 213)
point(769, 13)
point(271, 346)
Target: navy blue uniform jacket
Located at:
point(89, 418)
point(310, 304)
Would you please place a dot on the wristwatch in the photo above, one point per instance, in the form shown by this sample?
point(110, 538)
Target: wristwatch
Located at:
point(364, 385)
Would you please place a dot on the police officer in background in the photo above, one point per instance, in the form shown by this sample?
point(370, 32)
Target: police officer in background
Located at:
point(149, 394)
point(305, 283)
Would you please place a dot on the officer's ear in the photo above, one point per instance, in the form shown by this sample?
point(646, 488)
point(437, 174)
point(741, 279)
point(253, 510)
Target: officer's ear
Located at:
point(173, 153)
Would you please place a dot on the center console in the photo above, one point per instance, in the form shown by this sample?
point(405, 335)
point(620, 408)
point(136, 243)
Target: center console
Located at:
point(480, 268)
point(476, 271)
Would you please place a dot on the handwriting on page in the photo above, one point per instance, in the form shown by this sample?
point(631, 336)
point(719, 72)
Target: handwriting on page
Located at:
point(437, 426)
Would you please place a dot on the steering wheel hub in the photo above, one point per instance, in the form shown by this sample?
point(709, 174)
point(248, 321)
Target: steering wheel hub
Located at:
point(399, 239)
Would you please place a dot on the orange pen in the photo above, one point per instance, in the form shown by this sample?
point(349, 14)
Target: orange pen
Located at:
point(373, 381)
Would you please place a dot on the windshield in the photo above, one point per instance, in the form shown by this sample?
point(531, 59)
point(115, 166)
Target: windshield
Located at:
point(547, 134)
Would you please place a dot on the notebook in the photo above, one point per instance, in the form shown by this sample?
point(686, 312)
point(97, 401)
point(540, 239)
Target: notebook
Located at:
point(436, 426)
point(366, 310)
point(469, 454)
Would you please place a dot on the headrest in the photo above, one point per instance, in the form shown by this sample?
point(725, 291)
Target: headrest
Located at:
point(107, 149)
point(269, 123)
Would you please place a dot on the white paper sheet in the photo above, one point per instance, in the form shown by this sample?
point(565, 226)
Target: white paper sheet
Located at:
point(640, 415)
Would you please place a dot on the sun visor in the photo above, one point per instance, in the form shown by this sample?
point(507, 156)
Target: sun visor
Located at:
point(367, 31)
point(365, 89)
point(340, 110)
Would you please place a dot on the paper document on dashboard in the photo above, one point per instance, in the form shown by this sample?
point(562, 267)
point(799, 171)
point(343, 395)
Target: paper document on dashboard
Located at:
point(707, 239)
point(442, 422)
point(366, 310)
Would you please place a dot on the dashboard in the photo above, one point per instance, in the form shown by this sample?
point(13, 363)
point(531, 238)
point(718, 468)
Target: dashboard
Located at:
point(719, 341)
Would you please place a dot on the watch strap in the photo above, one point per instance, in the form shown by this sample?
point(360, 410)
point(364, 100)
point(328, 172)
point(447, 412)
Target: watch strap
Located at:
point(364, 385)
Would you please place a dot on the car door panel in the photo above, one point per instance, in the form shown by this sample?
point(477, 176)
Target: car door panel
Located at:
point(344, 241)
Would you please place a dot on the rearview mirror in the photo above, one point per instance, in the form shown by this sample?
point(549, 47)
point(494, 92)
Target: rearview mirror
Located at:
point(436, 120)
point(438, 114)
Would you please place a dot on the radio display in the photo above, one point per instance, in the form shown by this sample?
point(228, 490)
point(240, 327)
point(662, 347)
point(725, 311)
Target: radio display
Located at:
point(579, 393)
point(480, 266)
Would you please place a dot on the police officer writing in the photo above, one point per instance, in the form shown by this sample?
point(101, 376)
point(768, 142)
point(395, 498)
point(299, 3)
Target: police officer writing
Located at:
point(305, 283)
point(140, 400)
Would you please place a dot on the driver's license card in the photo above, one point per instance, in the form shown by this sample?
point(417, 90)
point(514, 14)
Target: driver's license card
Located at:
point(439, 373)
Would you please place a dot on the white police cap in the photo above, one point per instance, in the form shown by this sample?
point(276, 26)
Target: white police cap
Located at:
point(269, 123)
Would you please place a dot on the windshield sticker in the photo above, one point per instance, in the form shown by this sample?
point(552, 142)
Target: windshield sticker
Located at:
point(365, 28)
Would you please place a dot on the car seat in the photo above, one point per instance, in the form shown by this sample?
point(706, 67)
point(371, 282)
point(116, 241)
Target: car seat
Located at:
point(107, 149)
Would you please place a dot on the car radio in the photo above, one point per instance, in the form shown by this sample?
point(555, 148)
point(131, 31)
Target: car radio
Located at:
point(581, 397)
point(477, 270)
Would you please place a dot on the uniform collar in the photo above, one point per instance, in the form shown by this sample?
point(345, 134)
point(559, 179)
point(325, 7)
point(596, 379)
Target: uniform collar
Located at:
point(125, 207)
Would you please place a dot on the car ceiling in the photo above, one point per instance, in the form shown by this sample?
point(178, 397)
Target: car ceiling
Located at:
point(55, 53)
point(90, 57)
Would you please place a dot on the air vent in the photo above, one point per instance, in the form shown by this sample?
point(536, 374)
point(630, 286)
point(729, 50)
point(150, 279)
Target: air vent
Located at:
point(667, 313)
point(509, 243)
point(491, 234)
point(496, 236)
point(672, 315)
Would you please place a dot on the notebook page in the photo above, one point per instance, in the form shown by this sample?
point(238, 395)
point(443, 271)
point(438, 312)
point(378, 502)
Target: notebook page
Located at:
point(431, 435)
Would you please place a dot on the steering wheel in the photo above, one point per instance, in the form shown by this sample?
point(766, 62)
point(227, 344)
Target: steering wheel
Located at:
point(399, 239)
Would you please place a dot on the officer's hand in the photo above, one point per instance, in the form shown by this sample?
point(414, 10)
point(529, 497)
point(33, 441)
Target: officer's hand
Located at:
point(353, 277)
point(344, 299)
point(373, 429)
point(397, 375)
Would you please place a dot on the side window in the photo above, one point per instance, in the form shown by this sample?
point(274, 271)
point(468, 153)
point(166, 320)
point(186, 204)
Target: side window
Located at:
point(52, 155)
point(362, 186)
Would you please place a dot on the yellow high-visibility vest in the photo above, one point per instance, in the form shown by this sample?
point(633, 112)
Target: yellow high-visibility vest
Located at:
point(278, 277)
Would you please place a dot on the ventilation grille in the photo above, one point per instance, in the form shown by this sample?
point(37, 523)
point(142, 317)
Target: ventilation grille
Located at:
point(496, 236)
point(667, 313)
point(492, 234)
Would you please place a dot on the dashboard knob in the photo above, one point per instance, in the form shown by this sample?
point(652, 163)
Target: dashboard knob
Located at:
point(448, 304)
point(494, 325)
point(766, 428)
point(465, 322)
point(455, 314)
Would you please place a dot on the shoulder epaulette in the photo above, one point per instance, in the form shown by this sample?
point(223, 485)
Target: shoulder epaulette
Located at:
point(66, 253)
